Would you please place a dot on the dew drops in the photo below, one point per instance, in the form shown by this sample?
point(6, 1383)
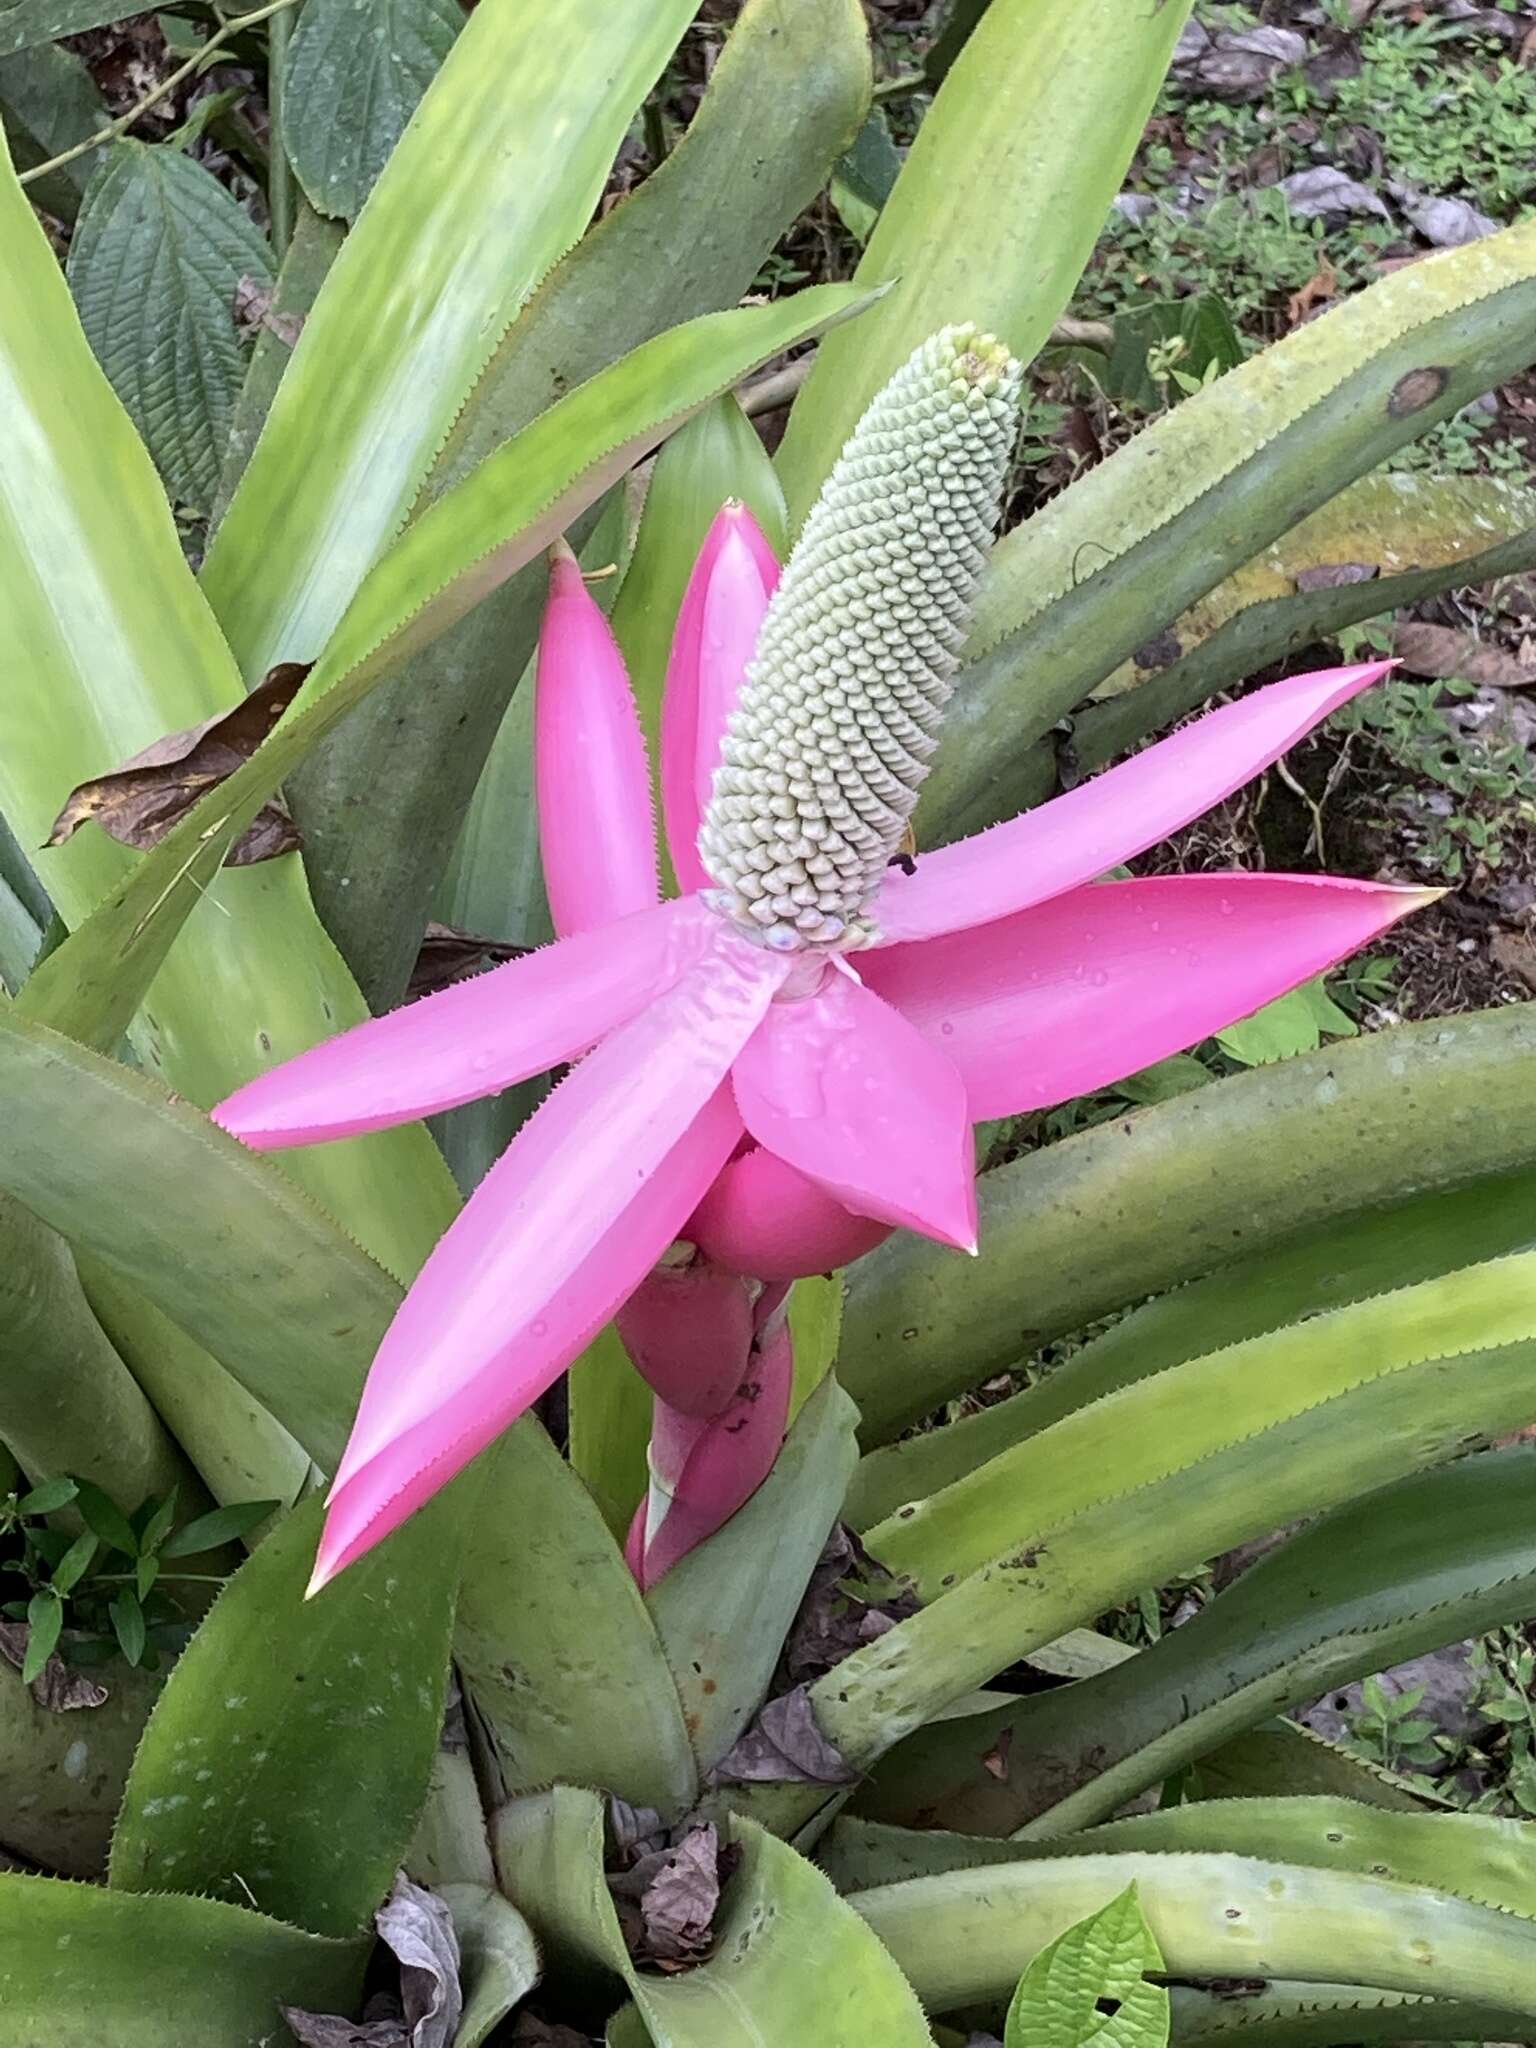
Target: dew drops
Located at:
point(946, 1029)
point(539, 1327)
point(1100, 978)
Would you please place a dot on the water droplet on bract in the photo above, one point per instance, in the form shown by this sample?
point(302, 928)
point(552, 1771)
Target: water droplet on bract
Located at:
point(947, 1029)
point(539, 1328)
point(1100, 978)
point(480, 1062)
point(1227, 906)
point(1157, 924)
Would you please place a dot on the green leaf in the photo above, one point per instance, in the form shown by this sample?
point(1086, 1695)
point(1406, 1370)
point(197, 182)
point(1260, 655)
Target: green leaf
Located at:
point(1076, 590)
point(788, 1952)
point(552, 1629)
point(1204, 339)
point(26, 23)
point(1090, 1985)
point(255, 980)
point(966, 1936)
point(290, 1750)
point(1180, 1190)
point(863, 179)
point(353, 78)
point(106, 1519)
point(382, 806)
point(158, 254)
point(44, 1499)
point(45, 1620)
point(162, 1972)
point(71, 1567)
point(724, 1611)
point(467, 543)
point(157, 1525)
point(500, 1963)
point(223, 1525)
point(128, 1623)
point(225, 1243)
point(1315, 2016)
point(497, 176)
point(1294, 1023)
point(1436, 1558)
point(1000, 202)
point(49, 102)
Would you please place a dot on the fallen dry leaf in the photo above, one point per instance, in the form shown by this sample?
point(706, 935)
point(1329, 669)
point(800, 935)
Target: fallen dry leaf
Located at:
point(418, 1927)
point(1515, 953)
point(1325, 189)
point(995, 1762)
point(139, 802)
point(1441, 652)
point(785, 1746)
point(327, 2030)
point(851, 1599)
point(1319, 290)
point(447, 955)
point(1332, 575)
point(56, 1689)
point(677, 1907)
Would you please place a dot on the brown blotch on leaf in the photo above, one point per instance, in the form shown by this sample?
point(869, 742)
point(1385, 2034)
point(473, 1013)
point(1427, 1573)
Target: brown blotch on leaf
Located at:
point(139, 802)
point(448, 955)
point(56, 1689)
point(1332, 575)
point(1419, 388)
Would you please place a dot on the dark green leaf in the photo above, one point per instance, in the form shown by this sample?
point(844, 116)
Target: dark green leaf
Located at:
point(71, 1567)
point(45, 1618)
point(355, 72)
point(145, 1572)
point(160, 252)
point(44, 1499)
point(223, 1525)
point(156, 1525)
point(26, 23)
point(106, 1518)
point(128, 1624)
point(50, 103)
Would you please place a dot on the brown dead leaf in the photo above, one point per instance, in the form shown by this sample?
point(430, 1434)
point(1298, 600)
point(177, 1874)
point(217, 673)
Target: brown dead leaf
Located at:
point(1319, 290)
point(1528, 47)
point(329, 2030)
point(1515, 953)
point(1442, 651)
point(783, 1746)
point(995, 1762)
point(529, 2031)
point(1331, 575)
point(447, 955)
point(139, 802)
point(56, 1689)
point(253, 308)
point(678, 1906)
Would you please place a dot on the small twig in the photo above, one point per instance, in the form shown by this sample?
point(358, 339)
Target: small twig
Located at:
point(1315, 836)
point(893, 88)
point(166, 86)
point(771, 393)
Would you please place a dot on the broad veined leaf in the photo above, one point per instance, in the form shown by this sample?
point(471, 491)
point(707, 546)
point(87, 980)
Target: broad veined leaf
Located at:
point(966, 1936)
point(1180, 1190)
point(1438, 1557)
point(497, 176)
point(552, 1630)
point(354, 73)
point(785, 1944)
point(158, 255)
point(49, 103)
point(1090, 1986)
point(133, 655)
point(81, 1967)
point(26, 23)
point(382, 807)
point(724, 1611)
point(1042, 113)
point(289, 1753)
point(1099, 573)
point(470, 541)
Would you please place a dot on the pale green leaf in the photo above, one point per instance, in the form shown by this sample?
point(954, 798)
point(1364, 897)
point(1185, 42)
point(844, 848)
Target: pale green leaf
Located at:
point(158, 254)
point(500, 1958)
point(1090, 1987)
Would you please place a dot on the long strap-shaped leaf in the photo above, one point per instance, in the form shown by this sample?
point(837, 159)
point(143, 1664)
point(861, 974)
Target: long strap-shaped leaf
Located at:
point(1042, 113)
point(1127, 1515)
point(1323, 1268)
point(85, 1968)
point(109, 646)
point(1317, 2015)
point(1439, 1557)
point(496, 176)
point(966, 1936)
point(470, 541)
point(1182, 1189)
point(381, 806)
point(790, 1960)
point(1097, 574)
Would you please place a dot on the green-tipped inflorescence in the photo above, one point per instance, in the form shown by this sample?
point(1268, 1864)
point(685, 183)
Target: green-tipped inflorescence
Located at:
point(840, 711)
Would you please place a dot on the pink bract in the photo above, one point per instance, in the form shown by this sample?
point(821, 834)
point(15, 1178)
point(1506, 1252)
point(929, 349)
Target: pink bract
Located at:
point(1005, 976)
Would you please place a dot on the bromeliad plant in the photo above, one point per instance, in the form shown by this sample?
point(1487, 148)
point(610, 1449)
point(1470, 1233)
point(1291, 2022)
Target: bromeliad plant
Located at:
point(837, 1753)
